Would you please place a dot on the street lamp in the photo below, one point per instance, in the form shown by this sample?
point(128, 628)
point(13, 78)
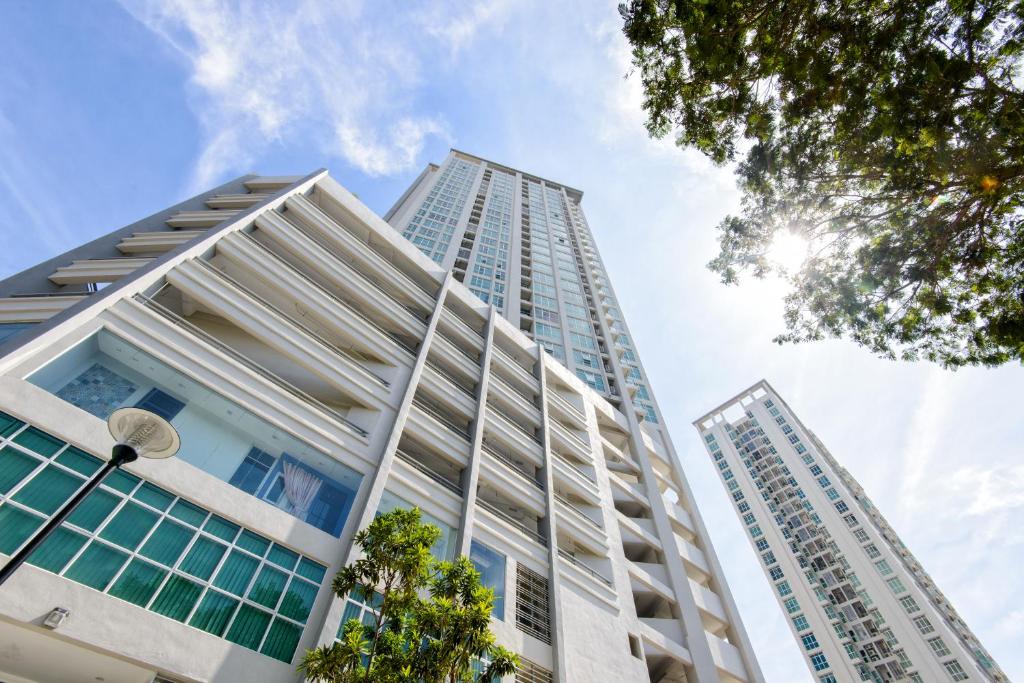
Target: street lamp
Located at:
point(139, 433)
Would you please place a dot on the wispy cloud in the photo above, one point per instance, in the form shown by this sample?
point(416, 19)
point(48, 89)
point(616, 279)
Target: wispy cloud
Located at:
point(344, 74)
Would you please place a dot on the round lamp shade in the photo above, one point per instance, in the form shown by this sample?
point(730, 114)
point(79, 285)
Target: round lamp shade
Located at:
point(150, 435)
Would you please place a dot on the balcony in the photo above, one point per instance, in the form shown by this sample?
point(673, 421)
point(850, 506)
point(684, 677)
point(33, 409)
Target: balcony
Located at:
point(515, 402)
point(153, 243)
point(446, 390)
point(566, 409)
point(236, 201)
point(428, 427)
point(586, 569)
point(444, 351)
point(447, 481)
point(519, 525)
point(36, 308)
point(502, 475)
point(516, 373)
point(518, 439)
point(563, 439)
point(88, 271)
point(460, 333)
point(581, 481)
point(200, 219)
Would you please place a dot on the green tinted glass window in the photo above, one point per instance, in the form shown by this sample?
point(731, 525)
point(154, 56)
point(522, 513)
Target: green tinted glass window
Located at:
point(189, 513)
point(298, 600)
point(235, 574)
point(266, 589)
point(79, 461)
point(254, 543)
point(214, 612)
point(154, 496)
point(281, 640)
point(202, 559)
point(119, 480)
point(14, 466)
point(96, 566)
point(48, 490)
point(311, 570)
point(283, 557)
point(9, 425)
point(38, 441)
point(138, 582)
point(177, 598)
point(248, 627)
point(57, 550)
point(96, 507)
point(167, 543)
point(221, 528)
point(17, 526)
point(129, 526)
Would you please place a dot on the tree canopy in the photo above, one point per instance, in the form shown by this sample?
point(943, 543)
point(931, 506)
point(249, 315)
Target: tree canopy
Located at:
point(889, 134)
point(431, 619)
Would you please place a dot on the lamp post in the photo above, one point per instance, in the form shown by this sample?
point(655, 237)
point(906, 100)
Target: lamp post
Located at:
point(139, 433)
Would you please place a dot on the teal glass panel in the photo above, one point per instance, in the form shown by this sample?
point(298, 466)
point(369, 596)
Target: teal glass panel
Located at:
point(119, 480)
point(14, 466)
point(79, 461)
point(298, 600)
point(154, 496)
point(138, 582)
point(281, 640)
point(221, 528)
point(236, 572)
point(214, 612)
point(351, 612)
point(57, 550)
point(17, 526)
point(202, 559)
point(266, 589)
point(254, 543)
point(129, 526)
point(248, 627)
point(48, 490)
point(167, 543)
point(177, 598)
point(94, 509)
point(39, 441)
point(189, 513)
point(96, 566)
point(283, 557)
point(9, 425)
point(311, 570)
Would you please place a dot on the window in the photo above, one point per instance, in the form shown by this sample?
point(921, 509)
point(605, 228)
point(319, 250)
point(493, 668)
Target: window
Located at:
point(819, 662)
point(955, 671)
point(809, 641)
point(755, 531)
point(832, 494)
point(861, 535)
point(938, 647)
point(545, 330)
point(253, 471)
point(923, 625)
point(142, 544)
point(883, 567)
point(791, 605)
point(586, 359)
point(909, 604)
point(851, 520)
point(768, 558)
point(827, 678)
point(491, 565)
point(762, 544)
point(784, 588)
point(749, 517)
point(824, 482)
point(815, 470)
point(841, 506)
point(800, 622)
point(532, 615)
point(872, 551)
point(163, 404)
point(896, 585)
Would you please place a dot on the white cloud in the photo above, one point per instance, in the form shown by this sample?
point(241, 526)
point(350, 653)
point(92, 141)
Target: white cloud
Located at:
point(343, 73)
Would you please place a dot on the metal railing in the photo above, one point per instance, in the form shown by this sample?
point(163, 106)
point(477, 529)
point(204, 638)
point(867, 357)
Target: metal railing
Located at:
point(504, 516)
point(334, 299)
point(316, 336)
point(179, 321)
point(462, 323)
point(565, 430)
point(475, 360)
point(512, 361)
point(437, 415)
point(565, 461)
point(430, 474)
point(510, 464)
point(520, 394)
point(576, 511)
point(523, 430)
point(564, 402)
point(451, 378)
point(584, 568)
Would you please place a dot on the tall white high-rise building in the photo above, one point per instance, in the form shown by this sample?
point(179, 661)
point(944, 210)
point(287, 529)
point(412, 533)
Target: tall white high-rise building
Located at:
point(319, 368)
point(859, 604)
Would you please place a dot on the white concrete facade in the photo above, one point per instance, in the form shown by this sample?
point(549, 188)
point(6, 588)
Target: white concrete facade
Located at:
point(859, 604)
point(294, 338)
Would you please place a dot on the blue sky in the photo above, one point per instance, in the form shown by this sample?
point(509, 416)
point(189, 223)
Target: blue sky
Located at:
point(109, 112)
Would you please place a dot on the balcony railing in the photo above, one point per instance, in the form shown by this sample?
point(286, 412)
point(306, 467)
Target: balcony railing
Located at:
point(567, 432)
point(584, 568)
point(512, 361)
point(178, 321)
point(437, 415)
point(316, 336)
point(474, 359)
point(509, 463)
point(563, 402)
point(430, 474)
point(451, 378)
point(515, 391)
point(576, 511)
point(334, 299)
point(463, 324)
point(504, 516)
point(523, 430)
point(565, 461)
